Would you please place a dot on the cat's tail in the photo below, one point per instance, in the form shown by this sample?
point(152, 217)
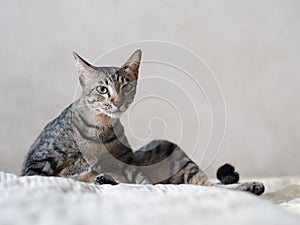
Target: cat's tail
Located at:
point(227, 174)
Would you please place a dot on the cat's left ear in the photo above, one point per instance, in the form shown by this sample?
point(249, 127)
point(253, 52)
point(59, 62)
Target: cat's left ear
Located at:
point(132, 65)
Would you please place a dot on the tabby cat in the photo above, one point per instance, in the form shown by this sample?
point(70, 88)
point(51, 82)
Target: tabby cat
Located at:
point(87, 142)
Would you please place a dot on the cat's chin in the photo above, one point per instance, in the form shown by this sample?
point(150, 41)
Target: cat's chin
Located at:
point(115, 115)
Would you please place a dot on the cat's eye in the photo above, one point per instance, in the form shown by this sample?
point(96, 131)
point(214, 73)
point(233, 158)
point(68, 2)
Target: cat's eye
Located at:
point(127, 87)
point(102, 90)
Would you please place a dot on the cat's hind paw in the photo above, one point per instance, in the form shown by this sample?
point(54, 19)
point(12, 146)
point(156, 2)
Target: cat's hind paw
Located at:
point(256, 188)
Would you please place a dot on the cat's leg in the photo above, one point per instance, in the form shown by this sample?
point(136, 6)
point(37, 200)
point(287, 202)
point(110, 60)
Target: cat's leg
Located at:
point(229, 180)
point(91, 176)
point(193, 175)
point(175, 167)
point(134, 175)
point(105, 179)
point(43, 168)
point(113, 172)
point(165, 163)
point(88, 176)
point(256, 188)
point(40, 167)
point(129, 174)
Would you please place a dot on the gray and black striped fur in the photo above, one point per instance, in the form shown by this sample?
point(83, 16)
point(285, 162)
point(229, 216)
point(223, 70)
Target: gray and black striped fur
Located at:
point(86, 141)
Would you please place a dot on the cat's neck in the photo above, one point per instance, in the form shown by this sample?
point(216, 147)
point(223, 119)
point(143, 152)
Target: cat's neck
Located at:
point(92, 116)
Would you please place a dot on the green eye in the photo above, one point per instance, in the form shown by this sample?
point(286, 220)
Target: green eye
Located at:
point(127, 87)
point(102, 90)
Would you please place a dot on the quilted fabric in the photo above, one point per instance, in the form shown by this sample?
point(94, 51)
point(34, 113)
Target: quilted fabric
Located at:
point(52, 200)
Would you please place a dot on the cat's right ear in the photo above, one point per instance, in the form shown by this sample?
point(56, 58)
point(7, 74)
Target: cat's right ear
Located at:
point(83, 67)
point(132, 65)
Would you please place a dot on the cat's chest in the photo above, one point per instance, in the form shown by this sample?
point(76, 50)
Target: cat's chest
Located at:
point(92, 139)
point(90, 142)
point(95, 139)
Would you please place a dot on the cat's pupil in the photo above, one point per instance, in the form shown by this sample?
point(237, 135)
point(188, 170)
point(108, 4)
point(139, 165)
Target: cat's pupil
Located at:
point(127, 87)
point(102, 89)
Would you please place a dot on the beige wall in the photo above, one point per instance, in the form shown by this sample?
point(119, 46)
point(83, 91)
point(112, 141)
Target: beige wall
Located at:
point(252, 47)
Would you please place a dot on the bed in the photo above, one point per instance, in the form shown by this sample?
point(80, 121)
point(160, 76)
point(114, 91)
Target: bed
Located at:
point(53, 200)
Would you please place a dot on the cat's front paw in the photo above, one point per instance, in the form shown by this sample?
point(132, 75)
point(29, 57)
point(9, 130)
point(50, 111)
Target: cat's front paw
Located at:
point(105, 179)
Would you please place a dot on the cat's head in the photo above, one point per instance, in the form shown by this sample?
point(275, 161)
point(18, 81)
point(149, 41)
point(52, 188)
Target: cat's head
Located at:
point(109, 90)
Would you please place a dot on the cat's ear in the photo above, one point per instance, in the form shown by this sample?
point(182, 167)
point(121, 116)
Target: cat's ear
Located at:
point(84, 68)
point(132, 65)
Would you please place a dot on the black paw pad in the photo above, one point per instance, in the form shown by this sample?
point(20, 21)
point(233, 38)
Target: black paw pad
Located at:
point(105, 179)
point(227, 175)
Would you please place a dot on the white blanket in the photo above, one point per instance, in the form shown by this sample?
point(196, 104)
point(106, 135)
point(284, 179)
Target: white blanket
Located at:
point(51, 200)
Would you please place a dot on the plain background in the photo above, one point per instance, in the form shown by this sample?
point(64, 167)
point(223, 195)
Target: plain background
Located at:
point(252, 47)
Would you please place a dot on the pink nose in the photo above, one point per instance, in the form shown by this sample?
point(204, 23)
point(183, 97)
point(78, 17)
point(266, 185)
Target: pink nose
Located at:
point(117, 103)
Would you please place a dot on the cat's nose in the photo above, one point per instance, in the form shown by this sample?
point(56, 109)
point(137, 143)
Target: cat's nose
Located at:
point(117, 103)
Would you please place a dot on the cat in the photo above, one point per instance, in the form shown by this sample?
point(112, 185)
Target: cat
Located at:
point(87, 142)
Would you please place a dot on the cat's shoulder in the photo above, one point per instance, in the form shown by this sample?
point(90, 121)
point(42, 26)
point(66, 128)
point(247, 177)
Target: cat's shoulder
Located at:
point(63, 120)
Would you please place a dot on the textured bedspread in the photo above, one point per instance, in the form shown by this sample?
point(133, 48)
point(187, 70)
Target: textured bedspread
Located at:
point(44, 200)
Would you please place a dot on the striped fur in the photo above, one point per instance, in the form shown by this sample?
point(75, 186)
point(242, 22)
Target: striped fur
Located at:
point(87, 142)
point(87, 138)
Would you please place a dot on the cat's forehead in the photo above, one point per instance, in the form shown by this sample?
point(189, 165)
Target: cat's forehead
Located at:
point(107, 71)
point(112, 74)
